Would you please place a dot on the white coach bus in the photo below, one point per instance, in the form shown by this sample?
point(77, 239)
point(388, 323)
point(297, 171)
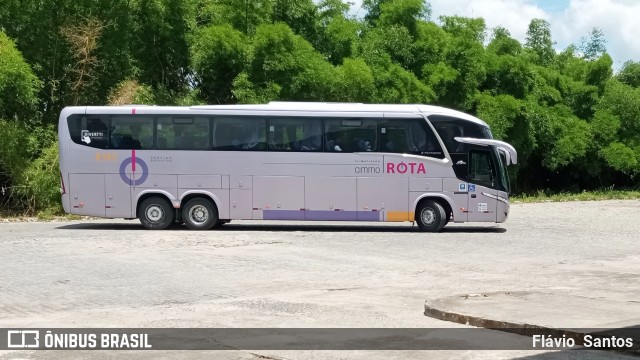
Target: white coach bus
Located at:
point(207, 165)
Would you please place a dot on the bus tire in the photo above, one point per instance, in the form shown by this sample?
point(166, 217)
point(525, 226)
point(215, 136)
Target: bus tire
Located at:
point(431, 216)
point(156, 213)
point(199, 214)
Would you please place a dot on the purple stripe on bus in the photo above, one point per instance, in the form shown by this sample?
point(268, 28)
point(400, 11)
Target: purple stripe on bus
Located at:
point(283, 215)
point(321, 215)
point(369, 215)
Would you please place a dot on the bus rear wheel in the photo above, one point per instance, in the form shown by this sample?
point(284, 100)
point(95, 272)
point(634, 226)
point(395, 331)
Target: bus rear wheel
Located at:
point(199, 214)
point(431, 216)
point(155, 213)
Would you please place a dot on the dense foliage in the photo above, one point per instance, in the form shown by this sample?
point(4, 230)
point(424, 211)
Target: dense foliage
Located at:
point(575, 123)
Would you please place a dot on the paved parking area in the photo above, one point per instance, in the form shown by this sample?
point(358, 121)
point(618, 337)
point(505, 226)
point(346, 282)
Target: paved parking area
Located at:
point(112, 273)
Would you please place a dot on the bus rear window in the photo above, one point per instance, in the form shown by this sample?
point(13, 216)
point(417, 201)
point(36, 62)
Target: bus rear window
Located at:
point(92, 131)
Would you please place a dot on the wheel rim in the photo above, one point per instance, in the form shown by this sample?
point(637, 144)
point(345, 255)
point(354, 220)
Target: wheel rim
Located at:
point(154, 213)
point(428, 216)
point(199, 214)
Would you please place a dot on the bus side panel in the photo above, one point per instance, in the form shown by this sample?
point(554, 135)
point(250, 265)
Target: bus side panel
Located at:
point(383, 199)
point(503, 207)
point(87, 194)
point(118, 197)
point(240, 204)
point(330, 198)
point(241, 198)
point(453, 189)
point(168, 183)
point(279, 197)
point(482, 205)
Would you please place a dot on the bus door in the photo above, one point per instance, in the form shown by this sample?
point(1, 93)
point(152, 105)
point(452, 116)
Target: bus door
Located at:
point(482, 195)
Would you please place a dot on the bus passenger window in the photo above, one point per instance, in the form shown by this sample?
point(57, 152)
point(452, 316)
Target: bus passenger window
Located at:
point(294, 134)
point(182, 133)
point(128, 132)
point(409, 136)
point(350, 135)
point(239, 134)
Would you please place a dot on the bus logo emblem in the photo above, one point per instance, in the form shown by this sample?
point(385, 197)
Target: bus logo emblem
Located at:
point(141, 167)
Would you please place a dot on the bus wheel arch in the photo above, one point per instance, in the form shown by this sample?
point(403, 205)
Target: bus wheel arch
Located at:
point(432, 214)
point(199, 211)
point(155, 211)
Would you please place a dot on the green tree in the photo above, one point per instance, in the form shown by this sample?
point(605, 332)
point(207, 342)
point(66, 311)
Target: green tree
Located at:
point(285, 65)
point(630, 74)
point(161, 46)
point(300, 15)
point(596, 46)
point(219, 56)
point(466, 55)
point(244, 15)
point(405, 13)
point(18, 84)
point(387, 44)
point(337, 38)
point(503, 44)
point(540, 42)
point(356, 82)
point(37, 27)
point(562, 136)
point(599, 72)
point(509, 75)
point(395, 85)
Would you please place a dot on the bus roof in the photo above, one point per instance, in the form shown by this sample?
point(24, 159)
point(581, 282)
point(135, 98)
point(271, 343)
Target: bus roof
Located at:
point(281, 106)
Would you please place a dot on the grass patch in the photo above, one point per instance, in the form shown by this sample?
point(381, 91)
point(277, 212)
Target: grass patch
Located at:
point(596, 195)
point(45, 215)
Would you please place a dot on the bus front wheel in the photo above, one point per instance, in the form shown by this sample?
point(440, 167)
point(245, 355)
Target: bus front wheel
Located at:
point(155, 213)
point(431, 216)
point(199, 214)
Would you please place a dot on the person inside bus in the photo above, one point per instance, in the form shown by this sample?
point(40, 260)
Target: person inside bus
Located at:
point(251, 140)
point(448, 134)
point(363, 145)
point(340, 142)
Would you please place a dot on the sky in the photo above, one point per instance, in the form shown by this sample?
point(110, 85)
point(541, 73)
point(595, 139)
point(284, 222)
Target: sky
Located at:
point(570, 20)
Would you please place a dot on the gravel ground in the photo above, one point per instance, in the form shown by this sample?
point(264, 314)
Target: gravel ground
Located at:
point(112, 273)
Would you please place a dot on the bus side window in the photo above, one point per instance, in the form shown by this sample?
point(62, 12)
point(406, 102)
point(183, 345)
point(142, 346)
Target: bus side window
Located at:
point(89, 131)
point(351, 135)
point(481, 169)
point(409, 136)
point(128, 132)
point(294, 134)
point(239, 133)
